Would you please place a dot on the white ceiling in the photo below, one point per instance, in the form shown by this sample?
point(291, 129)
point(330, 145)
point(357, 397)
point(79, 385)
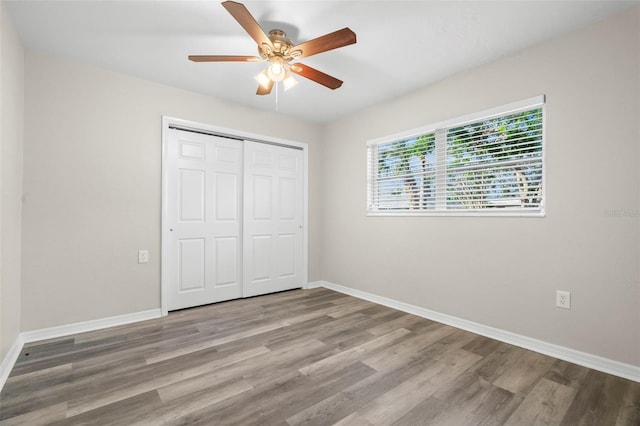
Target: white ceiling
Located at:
point(402, 45)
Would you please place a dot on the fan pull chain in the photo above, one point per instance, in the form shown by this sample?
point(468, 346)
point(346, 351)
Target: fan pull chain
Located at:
point(277, 105)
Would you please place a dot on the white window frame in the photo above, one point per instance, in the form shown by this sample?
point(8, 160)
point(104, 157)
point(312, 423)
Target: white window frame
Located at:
point(440, 154)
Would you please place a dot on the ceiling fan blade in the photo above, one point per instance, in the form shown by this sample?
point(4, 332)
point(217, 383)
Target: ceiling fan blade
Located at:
point(247, 21)
point(315, 75)
point(334, 40)
point(265, 90)
point(223, 58)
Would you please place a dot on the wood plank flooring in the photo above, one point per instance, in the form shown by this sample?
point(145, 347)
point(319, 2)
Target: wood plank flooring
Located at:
point(313, 357)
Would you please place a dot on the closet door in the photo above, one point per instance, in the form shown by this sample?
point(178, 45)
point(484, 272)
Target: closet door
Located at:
point(273, 210)
point(204, 182)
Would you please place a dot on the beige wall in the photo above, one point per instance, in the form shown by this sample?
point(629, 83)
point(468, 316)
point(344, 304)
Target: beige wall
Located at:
point(11, 124)
point(92, 186)
point(503, 272)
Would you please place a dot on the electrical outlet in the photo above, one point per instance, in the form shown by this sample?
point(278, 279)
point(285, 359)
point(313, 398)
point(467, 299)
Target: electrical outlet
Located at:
point(563, 299)
point(143, 256)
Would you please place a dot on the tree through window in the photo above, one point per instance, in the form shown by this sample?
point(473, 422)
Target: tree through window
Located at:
point(486, 165)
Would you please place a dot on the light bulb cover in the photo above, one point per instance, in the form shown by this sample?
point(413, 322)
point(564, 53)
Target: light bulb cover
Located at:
point(276, 72)
point(263, 79)
point(289, 81)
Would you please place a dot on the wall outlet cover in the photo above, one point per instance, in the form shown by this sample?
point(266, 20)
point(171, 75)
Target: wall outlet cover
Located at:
point(563, 299)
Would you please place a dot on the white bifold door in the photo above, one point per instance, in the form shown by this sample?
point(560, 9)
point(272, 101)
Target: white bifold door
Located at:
point(233, 219)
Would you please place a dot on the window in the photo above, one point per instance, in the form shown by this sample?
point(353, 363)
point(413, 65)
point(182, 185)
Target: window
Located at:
point(490, 163)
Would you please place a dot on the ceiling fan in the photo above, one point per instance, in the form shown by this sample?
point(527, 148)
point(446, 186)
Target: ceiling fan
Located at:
point(279, 51)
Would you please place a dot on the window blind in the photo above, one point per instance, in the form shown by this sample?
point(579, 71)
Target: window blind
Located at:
point(483, 165)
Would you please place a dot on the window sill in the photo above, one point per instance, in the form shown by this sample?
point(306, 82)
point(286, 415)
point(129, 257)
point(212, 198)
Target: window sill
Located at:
point(538, 214)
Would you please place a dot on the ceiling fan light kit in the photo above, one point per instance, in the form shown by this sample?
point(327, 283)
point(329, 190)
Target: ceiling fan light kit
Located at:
point(289, 82)
point(279, 51)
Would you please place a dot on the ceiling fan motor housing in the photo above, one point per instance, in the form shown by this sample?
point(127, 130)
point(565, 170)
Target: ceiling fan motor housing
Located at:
point(280, 47)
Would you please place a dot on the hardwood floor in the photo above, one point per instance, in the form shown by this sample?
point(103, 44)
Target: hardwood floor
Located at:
point(312, 357)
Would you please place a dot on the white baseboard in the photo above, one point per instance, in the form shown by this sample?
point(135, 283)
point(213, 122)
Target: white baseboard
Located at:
point(314, 284)
point(81, 327)
point(65, 330)
point(10, 359)
point(584, 359)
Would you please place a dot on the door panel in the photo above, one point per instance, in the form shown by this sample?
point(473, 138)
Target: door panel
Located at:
point(287, 198)
point(234, 219)
point(191, 195)
point(273, 209)
point(260, 253)
point(226, 194)
point(286, 255)
point(192, 150)
point(227, 261)
point(191, 258)
point(204, 184)
point(262, 204)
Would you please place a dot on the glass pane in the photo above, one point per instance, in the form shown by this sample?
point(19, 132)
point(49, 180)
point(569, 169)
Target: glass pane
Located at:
point(495, 187)
point(405, 174)
point(496, 163)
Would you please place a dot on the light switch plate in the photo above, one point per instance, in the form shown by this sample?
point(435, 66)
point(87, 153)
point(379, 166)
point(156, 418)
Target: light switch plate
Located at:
point(143, 256)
